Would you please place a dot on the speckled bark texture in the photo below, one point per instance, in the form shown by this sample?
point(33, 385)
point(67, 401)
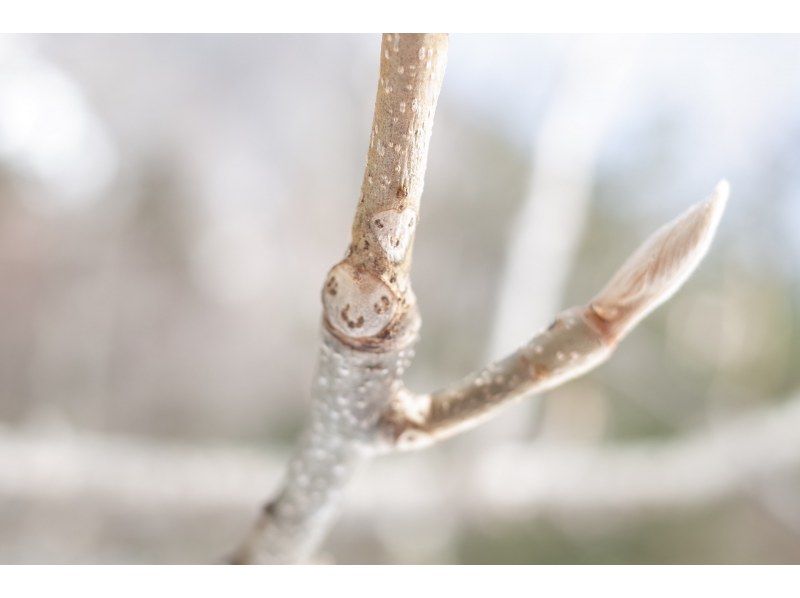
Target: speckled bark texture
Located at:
point(367, 296)
point(351, 391)
point(578, 340)
point(370, 317)
point(371, 323)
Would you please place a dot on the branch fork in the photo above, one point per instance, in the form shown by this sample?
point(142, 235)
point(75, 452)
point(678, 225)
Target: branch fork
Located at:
point(371, 322)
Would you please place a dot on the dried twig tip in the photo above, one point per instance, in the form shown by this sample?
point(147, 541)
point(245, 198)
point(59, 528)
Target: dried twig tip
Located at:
point(661, 265)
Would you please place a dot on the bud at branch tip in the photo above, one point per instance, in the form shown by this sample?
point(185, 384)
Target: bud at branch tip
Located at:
point(660, 265)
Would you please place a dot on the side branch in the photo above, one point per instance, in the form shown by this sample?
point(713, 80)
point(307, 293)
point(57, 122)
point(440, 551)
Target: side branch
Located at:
point(578, 340)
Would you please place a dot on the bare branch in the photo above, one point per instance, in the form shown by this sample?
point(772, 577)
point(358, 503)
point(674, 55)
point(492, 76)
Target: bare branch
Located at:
point(578, 340)
point(137, 474)
point(367, 297)
point(371, 320)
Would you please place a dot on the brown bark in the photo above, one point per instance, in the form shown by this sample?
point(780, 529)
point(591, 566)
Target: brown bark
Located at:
point(367, 298)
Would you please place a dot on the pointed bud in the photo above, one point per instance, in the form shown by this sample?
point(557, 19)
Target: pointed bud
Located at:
point(661, 265)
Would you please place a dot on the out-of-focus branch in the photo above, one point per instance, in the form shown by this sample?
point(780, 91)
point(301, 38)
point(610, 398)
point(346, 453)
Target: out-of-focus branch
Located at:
point(552, 217)
point(700, 467)
point(505, 483)
point(553, 213)
point(578, 340)
point(132, 472)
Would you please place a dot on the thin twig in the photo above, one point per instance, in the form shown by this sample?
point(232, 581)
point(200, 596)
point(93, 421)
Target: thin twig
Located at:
point(578, 339)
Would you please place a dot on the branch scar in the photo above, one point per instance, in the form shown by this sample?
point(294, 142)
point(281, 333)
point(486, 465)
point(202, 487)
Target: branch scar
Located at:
point(394, 230)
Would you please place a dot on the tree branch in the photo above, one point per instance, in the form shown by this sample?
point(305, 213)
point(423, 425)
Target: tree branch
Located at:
point(578, 340)
point(367, 298)
point(137, 475)
point(371, 321)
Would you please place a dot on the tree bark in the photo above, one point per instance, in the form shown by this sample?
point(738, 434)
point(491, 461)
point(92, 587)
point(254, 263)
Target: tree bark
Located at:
point(370, 317)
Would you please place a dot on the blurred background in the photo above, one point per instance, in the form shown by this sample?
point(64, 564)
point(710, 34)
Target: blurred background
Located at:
point(169, 206)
